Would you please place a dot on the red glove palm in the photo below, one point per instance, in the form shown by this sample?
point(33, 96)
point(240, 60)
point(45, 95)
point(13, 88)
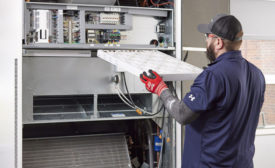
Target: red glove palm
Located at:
point(153, 82)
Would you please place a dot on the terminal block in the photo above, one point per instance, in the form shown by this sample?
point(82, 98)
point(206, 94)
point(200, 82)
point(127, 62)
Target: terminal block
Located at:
point(110, 18)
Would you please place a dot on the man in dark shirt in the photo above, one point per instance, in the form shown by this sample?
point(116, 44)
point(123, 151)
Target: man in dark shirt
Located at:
point(221, 111)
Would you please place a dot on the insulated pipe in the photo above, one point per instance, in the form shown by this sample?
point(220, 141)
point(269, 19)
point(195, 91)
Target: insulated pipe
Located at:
point(150, 144)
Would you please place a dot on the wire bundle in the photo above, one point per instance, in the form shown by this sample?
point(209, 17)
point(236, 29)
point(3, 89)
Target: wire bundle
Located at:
point(156, 4)
point(130, 101)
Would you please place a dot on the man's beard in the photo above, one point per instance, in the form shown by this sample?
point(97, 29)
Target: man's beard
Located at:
point(210, 53)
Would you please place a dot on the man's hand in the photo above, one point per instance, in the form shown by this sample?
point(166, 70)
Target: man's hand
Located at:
point(153, 82)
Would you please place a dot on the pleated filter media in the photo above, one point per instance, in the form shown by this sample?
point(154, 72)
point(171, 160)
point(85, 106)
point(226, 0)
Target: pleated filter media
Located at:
point(138, 61)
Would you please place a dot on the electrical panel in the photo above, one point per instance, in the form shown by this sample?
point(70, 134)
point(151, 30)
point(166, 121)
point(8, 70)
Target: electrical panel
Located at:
point(54, 25)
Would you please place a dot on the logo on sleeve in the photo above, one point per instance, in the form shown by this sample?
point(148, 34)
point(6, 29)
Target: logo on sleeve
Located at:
point(191, 97)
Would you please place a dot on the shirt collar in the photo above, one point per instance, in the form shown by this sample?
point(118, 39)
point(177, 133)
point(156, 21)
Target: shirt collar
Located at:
point(227, 55)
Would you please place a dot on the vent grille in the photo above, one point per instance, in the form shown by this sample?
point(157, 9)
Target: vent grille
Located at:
point(101, 151)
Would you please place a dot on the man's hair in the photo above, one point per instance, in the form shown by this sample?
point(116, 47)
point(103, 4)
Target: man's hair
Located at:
point(233, 45)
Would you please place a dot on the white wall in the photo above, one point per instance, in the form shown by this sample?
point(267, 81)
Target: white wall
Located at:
point(10, 49)
point(265, 148)
point(257, 17)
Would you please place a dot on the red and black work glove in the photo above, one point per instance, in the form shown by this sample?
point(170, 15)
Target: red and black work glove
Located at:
point(153, 82)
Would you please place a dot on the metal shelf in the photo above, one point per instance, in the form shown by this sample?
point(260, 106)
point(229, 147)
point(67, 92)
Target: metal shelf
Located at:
point(93, 46)
point(56, 109)
point(92, 119)
point(100, 8)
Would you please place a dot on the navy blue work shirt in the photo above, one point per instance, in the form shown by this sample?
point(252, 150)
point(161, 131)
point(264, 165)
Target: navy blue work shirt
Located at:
point(228, 95)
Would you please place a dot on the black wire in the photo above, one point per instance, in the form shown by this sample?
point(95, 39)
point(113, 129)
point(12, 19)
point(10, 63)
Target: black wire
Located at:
point(185, 56)
point(124, 80)
point(175, 91)
point(162, 107)
point(171, 87)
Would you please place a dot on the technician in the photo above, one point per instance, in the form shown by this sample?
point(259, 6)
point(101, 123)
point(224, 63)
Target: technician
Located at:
point(221, 111)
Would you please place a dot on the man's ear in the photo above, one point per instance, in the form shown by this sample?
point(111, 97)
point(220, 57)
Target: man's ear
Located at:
point(219, 44)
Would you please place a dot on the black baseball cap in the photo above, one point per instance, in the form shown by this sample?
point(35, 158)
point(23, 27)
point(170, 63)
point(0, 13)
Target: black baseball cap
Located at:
point(224, 26)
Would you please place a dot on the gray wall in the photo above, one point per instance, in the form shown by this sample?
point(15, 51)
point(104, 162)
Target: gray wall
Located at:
point(199, 11)
point(193, 13)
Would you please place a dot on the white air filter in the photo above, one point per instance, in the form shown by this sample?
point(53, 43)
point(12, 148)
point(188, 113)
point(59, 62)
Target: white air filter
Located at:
point(137, 61)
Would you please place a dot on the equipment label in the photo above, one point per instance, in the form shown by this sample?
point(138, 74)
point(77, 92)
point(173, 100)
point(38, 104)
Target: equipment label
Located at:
point(112, 9)
point(118, 115)
point(69, 7)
